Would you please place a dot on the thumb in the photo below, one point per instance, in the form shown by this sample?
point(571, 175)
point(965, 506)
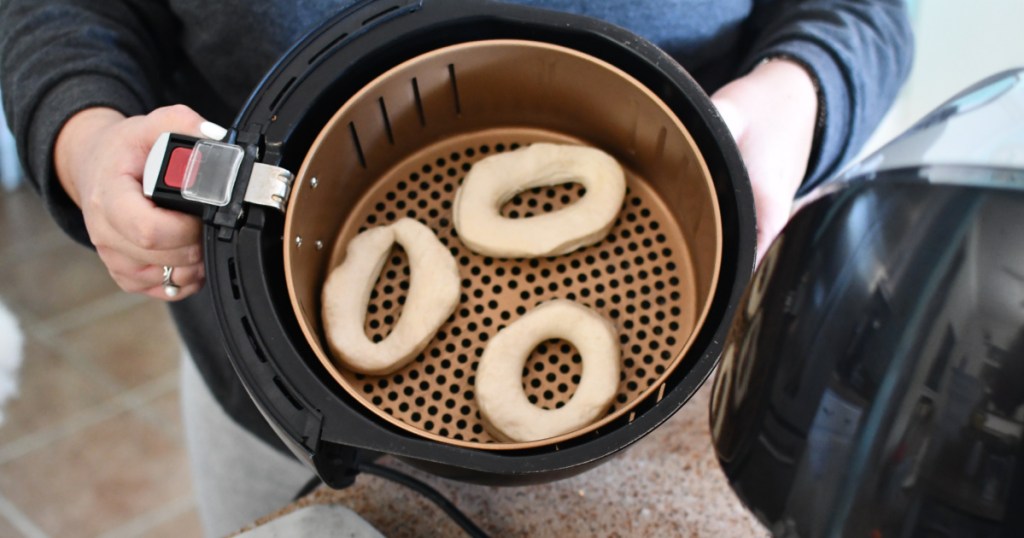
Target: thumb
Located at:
point(178, 119)
point(212, 130)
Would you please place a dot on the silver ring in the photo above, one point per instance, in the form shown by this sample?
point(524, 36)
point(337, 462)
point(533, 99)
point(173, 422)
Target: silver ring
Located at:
point(170, 288)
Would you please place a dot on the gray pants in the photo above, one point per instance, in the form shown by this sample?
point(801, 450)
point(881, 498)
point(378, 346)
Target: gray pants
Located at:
point(237, 478)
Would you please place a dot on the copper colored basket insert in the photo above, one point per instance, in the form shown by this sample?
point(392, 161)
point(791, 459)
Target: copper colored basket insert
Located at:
point(400, 148)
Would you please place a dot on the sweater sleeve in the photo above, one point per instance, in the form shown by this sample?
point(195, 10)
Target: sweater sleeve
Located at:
point(60, 57)
point(859, 52)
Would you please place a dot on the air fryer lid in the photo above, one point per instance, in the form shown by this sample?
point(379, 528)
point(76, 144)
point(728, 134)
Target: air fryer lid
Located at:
point(871, 383)
point(383, 121)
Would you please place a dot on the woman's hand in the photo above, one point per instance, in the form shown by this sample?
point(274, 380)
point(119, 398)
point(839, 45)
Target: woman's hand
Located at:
point(772, 113)
point(99, 157)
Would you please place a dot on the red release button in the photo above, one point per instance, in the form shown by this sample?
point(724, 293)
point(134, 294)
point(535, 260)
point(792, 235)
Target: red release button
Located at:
point(175, 175)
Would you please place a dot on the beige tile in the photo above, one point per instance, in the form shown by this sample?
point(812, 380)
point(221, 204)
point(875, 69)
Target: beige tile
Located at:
point(8, 529)
point(98, 478)
point(132, 346)
point(49, 283)
point(166, 409)
point(182, 526)
point(23, 220)
point(50, 392)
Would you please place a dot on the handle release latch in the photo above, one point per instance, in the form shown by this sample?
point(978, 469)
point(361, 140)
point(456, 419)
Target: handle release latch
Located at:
point(187, 173)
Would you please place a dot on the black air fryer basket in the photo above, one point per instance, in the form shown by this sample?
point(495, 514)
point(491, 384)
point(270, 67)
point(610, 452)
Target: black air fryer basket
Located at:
point(378, 115)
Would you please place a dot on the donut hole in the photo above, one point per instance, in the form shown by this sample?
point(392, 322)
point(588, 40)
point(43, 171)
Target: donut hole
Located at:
point(540, 200)
point(552, 373)
point(388, 295)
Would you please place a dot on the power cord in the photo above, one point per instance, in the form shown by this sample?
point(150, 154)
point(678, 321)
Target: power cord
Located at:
point(308, 487)
point(434, 496)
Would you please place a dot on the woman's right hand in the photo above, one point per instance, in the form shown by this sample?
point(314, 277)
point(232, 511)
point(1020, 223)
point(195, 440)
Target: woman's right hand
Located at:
point(100, 156)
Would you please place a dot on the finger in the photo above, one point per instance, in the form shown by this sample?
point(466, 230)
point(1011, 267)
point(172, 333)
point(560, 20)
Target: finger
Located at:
point(153, 276)
point(142, 224)
point(159, 293)
point(124, 259)
point(175, 118)
point(212, 130)
point(177, 257)
point(111, 245)
point(182, 276)
point(136, 278)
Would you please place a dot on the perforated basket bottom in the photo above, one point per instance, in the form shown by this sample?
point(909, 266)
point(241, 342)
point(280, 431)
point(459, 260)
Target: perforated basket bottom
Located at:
point(640, 277)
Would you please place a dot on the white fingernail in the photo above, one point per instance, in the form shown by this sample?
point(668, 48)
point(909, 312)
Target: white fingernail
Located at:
point(212, 130)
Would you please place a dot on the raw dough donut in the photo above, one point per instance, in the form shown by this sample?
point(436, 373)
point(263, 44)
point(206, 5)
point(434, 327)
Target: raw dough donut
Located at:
point(433, 295)
point(494, 181)
point(503, 404)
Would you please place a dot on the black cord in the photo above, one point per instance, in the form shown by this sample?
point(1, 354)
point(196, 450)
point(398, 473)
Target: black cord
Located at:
point(430, 493)
point(308, 488)
point(394, 475)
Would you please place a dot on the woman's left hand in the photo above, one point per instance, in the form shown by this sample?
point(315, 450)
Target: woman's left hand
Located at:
point(772, 113)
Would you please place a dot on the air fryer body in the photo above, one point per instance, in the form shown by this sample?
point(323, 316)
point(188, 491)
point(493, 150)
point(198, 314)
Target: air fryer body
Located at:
point(326, 426)
point(873, 381)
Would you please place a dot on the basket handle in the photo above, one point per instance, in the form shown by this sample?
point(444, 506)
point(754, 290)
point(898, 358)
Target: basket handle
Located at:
point(190, 174)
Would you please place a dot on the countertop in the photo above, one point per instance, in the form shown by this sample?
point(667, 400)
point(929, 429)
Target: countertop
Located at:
point(667, 484)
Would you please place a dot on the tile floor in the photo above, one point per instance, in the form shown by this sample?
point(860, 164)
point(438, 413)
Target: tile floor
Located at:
point(92, 444)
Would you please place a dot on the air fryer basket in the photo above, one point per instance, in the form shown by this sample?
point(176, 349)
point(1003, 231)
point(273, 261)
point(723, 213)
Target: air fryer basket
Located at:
point(400, 148)
point(380, 112)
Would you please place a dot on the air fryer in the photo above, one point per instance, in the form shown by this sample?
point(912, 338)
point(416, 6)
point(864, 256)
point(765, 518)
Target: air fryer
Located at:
point(873, 381)
point(378, 115)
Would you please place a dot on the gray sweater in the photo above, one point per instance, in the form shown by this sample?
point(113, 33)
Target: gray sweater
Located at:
point(60, 56)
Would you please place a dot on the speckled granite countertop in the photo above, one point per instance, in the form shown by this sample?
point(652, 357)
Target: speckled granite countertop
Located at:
point(668, 484)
